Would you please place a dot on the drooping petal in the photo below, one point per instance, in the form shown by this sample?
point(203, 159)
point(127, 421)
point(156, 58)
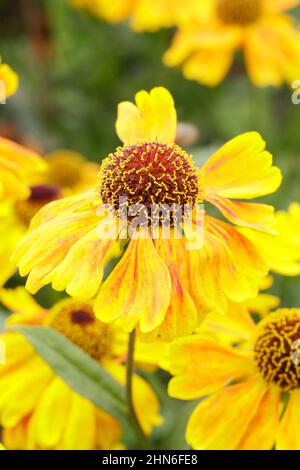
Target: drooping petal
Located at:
point(220, 421)
point(81, 271)
point(138, 291)
point(261, 432)
point(181, 317)
point(152, 119)
point(256, 216)
point(202, 366)
point(288, 437)
point(241, 169)
point(43, 249)
point(10, 79)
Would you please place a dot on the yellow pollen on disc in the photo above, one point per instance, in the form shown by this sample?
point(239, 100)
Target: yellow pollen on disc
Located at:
point(277, 349)
point(239, 12)
point(77, 322)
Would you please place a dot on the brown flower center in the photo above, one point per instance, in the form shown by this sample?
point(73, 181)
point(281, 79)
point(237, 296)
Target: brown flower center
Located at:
point(277, 349)
point(40, 195)
point(77, 322)
point(149, 174)
point(239, 12)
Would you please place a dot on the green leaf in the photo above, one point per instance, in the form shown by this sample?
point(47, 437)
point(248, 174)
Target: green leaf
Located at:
point(82, 373)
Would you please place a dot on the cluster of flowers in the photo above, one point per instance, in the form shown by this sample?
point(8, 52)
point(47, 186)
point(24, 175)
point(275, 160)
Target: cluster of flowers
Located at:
point(209, 32)
point(192, 309)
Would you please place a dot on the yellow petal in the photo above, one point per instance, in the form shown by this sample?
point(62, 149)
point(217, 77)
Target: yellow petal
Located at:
point(208, 66)
point(19, 300)
point(153, 119)
point(202, 366)
point(241, 169)
point(261, 432)
point(272, 52)
point(81, 272)
point(82, 416)
point(10, 79)
point(181, 317)
point(220, 421)
point(48, 421)
point(288, 437)
point(257, 216)
point(138, 290)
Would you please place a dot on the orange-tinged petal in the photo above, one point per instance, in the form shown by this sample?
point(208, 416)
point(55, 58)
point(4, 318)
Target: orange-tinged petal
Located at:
point(234, 326)
point(81, 271)
point(202, 366)
point(219, 422)
point(241, 169)
point(261, 432)
point(256, 216)
point(288, 437)
point(182, 317)
point(152, 119)
point(43, 249)
point(138, 291)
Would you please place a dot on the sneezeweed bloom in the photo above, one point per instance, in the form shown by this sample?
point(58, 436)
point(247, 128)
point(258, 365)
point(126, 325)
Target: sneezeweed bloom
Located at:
point(207, 39)
point(17, 166)
point(40, 411)
point(9, 82)
point(251, 387)
point(159, 286)
point(70, 171)
point(144, 15)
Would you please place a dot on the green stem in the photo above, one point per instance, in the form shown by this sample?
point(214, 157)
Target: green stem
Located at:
point(129, 376)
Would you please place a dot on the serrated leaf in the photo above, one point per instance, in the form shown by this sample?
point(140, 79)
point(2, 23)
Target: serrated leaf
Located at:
point(82, 373)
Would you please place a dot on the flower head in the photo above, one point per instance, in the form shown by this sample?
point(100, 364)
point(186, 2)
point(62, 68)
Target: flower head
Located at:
point(208, 38)
point(160, 285)
point(40, 411)
point(247, 381)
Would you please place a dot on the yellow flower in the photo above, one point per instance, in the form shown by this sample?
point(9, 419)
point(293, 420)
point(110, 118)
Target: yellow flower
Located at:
point(37, 409)
point(69, 171)
point(2, 447)
point(144, 15)
point(247, 385)
point(206, 41)
point(17, 165)
point(9, 81)
point(160, 285)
